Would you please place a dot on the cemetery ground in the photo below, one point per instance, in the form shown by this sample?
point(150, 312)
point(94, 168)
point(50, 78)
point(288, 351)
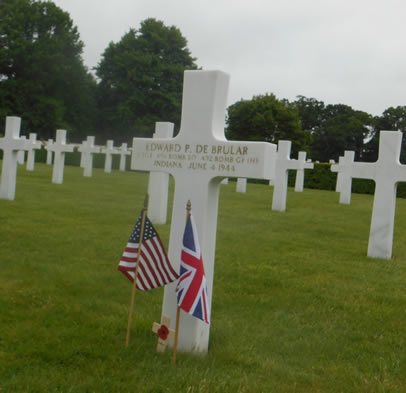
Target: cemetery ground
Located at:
point(297, 307)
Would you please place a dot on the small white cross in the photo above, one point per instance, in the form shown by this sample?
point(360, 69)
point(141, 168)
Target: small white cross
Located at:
point(109, 150)
point(283, 164)
point(344, 171)
point(303, 164)
point(87, 148)
point(32, 144)
point(59, 148)
point(124, 152)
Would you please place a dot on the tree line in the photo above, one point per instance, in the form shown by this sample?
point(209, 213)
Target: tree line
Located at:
point(324, 131)
point(138, 81)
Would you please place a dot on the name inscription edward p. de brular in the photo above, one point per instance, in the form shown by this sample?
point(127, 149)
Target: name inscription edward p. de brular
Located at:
point(202, 157)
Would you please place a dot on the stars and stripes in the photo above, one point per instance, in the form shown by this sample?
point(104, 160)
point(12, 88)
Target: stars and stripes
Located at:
point(154, 268)
point(191, 290)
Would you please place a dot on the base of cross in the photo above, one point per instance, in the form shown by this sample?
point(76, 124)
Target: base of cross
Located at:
point(164, 332)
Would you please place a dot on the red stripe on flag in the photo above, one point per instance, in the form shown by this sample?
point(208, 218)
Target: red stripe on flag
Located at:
point(170, 272)
point(128, 259)
point(157, 271)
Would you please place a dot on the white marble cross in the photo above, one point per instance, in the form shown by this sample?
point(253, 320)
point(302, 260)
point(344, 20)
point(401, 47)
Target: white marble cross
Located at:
point(387, 172)
point(303, 164)
point(49, 152)
point(198, 158)
point(21, 153)
point(109, 150)
point(124, 152)
point(241, 185)
point(283, 164)
point(87, 148)
point(11, 144)
point(32, 145)
point(344, 171)
point(59, 148)
point(159, 181)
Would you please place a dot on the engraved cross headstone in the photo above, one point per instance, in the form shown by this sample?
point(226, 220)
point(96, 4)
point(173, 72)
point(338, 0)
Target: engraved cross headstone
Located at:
point(198, 158)
point(11, 144)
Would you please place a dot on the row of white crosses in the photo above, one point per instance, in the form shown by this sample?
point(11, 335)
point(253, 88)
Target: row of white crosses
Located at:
point(12, 145)
point(88, 148)
point(190, 158)
point(280, 177)
point(14, 148)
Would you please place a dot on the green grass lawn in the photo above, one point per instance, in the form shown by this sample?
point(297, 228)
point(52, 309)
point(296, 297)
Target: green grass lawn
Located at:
point(297, 305)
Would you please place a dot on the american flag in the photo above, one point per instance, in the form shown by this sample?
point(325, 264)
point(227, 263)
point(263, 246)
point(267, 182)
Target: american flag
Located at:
point(154, 270)
point(191, 290)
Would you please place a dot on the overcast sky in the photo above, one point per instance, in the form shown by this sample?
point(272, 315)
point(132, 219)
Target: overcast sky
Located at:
point(351, 52)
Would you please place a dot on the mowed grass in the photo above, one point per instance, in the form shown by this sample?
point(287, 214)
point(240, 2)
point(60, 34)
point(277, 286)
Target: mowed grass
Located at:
point(297, 305)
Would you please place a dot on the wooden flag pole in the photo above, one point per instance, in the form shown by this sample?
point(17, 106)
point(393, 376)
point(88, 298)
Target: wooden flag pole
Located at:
point(134, 288)
point(175, 343)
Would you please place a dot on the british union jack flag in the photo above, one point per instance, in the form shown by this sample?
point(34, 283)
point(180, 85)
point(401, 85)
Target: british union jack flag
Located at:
point(191, 290)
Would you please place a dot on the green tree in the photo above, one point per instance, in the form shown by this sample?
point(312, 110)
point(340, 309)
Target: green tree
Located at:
point(42, 76)
point(311, 112)
point(342, 128)
point(265, 118)
point(392, 119)
point(141, 79)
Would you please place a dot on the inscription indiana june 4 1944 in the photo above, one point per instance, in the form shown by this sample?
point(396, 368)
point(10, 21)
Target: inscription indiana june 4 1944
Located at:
point(199, 156)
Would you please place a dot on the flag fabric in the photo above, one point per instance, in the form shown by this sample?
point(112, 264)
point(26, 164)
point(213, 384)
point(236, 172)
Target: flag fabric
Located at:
point(191, 290)
point(154, 270)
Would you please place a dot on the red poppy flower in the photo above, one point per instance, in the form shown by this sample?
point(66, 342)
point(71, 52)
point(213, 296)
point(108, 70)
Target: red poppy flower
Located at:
point(163, 332)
